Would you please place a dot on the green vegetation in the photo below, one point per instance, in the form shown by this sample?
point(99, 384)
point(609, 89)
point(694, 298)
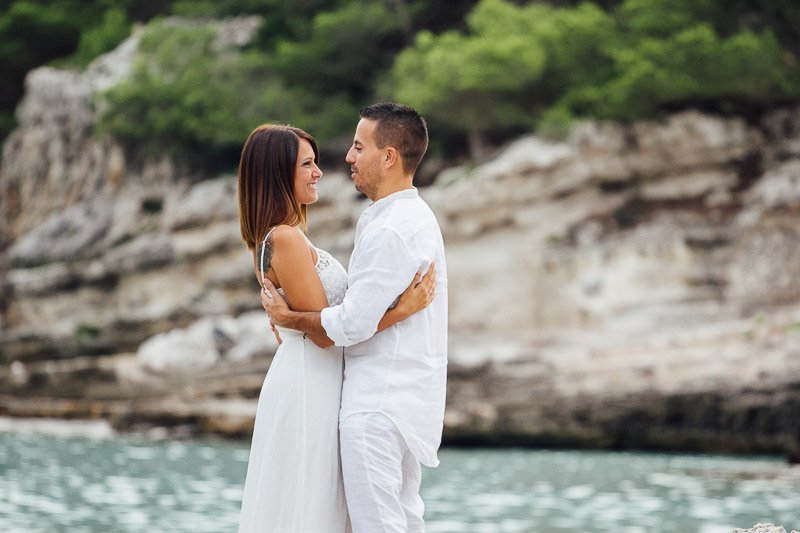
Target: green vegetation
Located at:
point(539, 66)
point(152, 206)
point(185, 97)
point(86, 332)
point(35, 32)
point(113, 29)
point(315, 72)
point(480, 71)
point(29, 36)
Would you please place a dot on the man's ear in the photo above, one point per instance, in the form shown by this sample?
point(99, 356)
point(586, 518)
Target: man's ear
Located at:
point(390, 157)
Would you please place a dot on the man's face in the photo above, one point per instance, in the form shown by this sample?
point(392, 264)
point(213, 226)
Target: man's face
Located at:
point(365, 159)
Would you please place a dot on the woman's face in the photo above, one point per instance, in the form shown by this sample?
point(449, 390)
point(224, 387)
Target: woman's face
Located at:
point(306, 174)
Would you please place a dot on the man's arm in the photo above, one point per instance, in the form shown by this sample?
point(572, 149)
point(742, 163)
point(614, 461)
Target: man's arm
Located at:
point(381, 268)
point(417, 296)
point(281, 315)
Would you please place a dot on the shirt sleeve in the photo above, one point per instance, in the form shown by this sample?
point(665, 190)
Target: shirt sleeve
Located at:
point(381, 268)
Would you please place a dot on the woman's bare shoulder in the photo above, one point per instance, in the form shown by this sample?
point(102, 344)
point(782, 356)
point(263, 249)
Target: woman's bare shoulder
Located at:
point(289, 242)
point(288, 235)
point(280, 241)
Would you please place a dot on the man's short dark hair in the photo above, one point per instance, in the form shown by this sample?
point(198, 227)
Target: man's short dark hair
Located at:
point(402, 127)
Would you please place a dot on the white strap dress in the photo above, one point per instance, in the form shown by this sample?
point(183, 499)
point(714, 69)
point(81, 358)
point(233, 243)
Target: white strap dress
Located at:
point(294, 477)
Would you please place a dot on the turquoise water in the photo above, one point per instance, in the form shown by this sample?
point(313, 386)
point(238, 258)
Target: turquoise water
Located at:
point(123, 485)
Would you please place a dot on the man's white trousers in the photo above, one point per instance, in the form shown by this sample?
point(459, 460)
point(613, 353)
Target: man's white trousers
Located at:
point(381, 476)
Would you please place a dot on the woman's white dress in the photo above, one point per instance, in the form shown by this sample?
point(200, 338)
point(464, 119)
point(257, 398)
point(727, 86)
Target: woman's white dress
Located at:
point(294, 480)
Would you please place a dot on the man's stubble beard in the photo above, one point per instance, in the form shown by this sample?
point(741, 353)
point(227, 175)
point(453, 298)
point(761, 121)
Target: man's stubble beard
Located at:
point(370, 189)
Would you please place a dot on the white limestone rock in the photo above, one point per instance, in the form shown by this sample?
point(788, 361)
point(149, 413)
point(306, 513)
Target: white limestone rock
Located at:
point(763, 528)
point(208, 341)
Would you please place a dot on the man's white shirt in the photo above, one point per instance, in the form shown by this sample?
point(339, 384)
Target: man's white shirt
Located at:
point(402, 370)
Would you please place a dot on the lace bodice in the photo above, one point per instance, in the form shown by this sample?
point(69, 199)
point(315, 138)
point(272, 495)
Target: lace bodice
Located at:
point(333, 277)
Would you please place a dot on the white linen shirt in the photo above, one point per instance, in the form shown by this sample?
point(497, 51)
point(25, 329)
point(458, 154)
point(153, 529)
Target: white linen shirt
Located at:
point(402, 370)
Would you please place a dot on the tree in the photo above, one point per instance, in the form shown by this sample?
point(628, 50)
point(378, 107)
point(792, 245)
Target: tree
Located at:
point(29, 36)
point(669, 54)
point(509, 67)
point(187, 98)
point(538, 66)
point(35, 32)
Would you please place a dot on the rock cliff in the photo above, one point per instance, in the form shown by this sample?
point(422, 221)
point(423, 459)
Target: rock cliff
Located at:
point(763, 528)
point(631, 286)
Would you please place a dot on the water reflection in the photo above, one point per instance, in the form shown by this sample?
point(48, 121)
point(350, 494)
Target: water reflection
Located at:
point(555, 491)
point(81, 485)
point(68, 484)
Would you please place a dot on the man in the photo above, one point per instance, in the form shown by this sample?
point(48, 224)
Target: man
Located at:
point(393, 394)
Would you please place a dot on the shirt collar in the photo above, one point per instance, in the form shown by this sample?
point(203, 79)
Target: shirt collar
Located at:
point(375, 208)
point(399, 195)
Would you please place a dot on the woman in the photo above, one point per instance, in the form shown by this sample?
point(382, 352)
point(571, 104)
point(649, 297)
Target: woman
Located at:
point(294, 482)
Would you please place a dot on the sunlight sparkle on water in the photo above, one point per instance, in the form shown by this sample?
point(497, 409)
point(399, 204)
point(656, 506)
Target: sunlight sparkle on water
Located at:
point(57, 484)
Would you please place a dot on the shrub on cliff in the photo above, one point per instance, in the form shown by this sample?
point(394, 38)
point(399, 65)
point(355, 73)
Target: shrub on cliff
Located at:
point(29, 35)
point(99, 39)
point(189, 96)
point(313, 65)
point(68, 32)
point(537, 65)
point(509, 67)
point(483, 74)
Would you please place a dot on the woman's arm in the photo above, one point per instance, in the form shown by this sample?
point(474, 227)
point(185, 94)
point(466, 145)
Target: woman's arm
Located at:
point(416, 297)
point(291, 267)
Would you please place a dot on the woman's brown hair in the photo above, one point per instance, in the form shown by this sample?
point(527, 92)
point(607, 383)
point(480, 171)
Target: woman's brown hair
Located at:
point(266, 181)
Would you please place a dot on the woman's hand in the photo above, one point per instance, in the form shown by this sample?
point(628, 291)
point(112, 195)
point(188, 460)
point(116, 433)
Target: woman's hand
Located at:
point(274, 304)
point(270, 301)
point(419, 294)
point(275, 331)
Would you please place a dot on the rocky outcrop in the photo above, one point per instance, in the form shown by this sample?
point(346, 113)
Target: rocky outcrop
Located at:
point(635, 286)
point(54, 161)
point(632, 286)
point(89, 225)
point(763, 528)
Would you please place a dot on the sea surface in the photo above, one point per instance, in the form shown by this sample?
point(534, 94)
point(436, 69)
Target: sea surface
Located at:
point(110, 484)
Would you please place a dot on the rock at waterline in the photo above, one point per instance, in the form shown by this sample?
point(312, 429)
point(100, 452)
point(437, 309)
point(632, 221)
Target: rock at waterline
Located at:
point(763, 528)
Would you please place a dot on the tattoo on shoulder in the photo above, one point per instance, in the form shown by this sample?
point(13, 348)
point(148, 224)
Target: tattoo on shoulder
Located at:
point(265, 251)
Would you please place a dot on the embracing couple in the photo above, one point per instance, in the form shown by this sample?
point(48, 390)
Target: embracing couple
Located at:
point(340, 432)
